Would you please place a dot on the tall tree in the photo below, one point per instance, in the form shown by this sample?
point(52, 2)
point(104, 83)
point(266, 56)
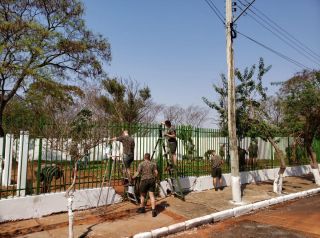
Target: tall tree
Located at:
point(43, 40)
point(222, 106)
point(301, 105)
point(249, 94)
point(124, 101)
point(251, 114)
point(262, 125)
point(45, 102)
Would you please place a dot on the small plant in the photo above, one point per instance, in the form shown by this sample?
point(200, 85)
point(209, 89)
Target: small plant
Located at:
point(185, 134)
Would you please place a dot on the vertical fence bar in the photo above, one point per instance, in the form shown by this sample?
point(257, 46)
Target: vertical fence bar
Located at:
point(22, 163)
point(197, 130)
point(1, 161)
point(6, 179)
point(228, 156)
point(62, 178)
point(160, 144)
point(272, 155)
point(39, 165)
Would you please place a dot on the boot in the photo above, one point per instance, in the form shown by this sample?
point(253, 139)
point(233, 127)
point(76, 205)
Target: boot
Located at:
point(154, 213)
point(141, 210)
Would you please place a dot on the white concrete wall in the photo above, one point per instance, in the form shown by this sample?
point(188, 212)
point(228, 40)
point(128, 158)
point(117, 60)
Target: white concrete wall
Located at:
point(45, 204)
point(205, 182)
point(40, 205)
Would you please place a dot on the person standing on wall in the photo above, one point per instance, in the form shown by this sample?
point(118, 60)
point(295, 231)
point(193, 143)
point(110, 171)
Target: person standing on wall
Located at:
point(172, 141)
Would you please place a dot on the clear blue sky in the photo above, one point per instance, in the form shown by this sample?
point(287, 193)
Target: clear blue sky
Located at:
point(177, 47)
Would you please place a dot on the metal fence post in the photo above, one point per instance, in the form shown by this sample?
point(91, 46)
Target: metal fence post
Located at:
point(6, 176)
point(160, 145)
point(39, 165)
point(272, 155)
point(22, 163)
point(228, 155)
point(197, 130)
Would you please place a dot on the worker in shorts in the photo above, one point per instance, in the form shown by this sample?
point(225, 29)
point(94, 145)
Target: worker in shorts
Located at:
point(170, 136)
point(147, 170)
point(217, 162)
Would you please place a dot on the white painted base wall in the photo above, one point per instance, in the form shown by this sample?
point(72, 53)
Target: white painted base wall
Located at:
point(205, 182)
point(45, 204)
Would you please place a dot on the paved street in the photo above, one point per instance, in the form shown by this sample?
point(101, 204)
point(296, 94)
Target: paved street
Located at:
point(294, 219)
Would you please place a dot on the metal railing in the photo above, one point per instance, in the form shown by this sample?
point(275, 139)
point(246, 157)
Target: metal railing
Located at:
point(35, 164)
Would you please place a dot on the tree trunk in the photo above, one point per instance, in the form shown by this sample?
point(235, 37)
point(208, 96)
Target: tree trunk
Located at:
point(70, 197)
point(2, 106)
point(314, 164)
point(70, 213)
point(278, 180)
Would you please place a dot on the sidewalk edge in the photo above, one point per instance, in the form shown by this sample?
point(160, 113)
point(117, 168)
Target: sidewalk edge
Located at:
point(222, 215)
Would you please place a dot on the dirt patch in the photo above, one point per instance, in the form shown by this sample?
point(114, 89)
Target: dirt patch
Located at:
point(94, 216)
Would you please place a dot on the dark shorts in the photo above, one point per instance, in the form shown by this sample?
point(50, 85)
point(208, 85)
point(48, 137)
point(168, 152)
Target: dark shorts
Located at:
point(147, 185)
point(172, 147)
point(216, 172)
point(127, 160)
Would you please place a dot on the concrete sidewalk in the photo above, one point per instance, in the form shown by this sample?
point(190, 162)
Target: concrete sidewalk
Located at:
point(121, 220)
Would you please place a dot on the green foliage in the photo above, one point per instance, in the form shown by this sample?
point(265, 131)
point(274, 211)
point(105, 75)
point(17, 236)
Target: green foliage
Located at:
point(19, 116)
point(249, 95)
point(123, 101)
point(51, 97)
point(82, 125)
point(46, 41)
point(301, 103)
point(185, 134)
point(222, 106)
point(41, 104)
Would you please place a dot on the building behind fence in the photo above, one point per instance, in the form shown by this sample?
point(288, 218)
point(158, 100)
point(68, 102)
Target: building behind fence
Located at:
point(33, 165)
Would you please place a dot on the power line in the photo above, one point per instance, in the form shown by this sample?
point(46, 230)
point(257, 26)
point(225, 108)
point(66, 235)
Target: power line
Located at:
point(302, 51)
point(216, 11)
point(276, 52)
point(290, 36)
point(281, 36)
point(243, 11)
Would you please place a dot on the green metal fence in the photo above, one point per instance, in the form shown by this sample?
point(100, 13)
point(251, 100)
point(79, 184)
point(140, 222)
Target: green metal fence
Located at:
point(50, 161)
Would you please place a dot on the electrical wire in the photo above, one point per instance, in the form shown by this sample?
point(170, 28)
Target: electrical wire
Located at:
point(284, 32)
point(281, 37)
point(216, 11)
point(275, 52)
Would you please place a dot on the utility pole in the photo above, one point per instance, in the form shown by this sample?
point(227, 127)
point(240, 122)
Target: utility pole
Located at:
point(235, 178)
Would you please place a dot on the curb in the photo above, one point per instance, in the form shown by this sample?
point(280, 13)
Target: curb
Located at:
point(222, 215)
